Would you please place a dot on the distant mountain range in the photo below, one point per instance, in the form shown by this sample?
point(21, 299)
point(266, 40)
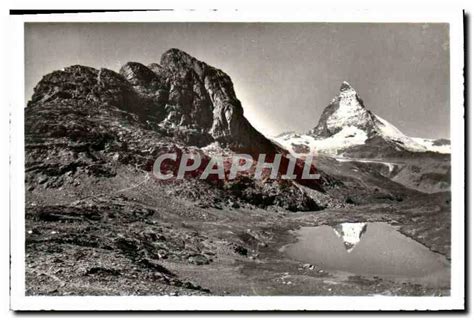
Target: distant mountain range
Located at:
point(347, 127)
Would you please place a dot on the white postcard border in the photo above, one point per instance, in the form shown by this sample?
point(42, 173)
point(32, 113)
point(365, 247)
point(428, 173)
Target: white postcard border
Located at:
point(17, 194)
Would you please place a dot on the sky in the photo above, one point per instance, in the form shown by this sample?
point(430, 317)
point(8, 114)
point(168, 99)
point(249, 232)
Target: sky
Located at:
point(284, 74)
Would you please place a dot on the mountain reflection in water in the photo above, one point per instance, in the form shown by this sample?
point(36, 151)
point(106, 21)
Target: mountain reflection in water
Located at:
point(369, 249)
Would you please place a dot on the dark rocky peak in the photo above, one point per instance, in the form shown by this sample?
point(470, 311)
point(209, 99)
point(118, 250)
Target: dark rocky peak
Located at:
point(142, 77)
point(180, 62)
point(83, 83)
point(66, 79)
point(107, 77)
point(79, 71)
point(204, 96)
point(181, 95)
point(137, 74)
point(160, 72)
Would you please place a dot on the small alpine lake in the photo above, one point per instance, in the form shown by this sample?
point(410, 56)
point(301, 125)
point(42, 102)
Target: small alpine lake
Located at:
point(369, 249)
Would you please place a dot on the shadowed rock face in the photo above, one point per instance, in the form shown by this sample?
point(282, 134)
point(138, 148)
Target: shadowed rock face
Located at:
point(181, 95)
point(204, 96)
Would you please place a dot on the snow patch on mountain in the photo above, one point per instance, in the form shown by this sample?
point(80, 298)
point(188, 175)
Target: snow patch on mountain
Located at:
point(389, 132)
point(433, 145)
point(347, 137)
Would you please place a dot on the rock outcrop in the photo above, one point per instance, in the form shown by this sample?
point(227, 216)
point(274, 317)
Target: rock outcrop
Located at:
point(84, 125)
point(202, 96)
point(181, 95)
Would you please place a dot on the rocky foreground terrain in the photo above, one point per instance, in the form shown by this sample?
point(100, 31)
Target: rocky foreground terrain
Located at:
point(99, 223)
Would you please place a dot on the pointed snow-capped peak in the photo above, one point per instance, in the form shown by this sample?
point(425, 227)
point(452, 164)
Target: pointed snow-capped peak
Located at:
point(347, 123)
point(346, 110)
point(348, 97)
point(345, 86)
point(346, 90)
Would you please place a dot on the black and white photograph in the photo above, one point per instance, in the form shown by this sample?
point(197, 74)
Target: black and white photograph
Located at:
point(317, 160)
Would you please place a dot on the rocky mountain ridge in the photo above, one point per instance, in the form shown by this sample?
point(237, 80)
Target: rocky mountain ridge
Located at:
point(182, 96)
